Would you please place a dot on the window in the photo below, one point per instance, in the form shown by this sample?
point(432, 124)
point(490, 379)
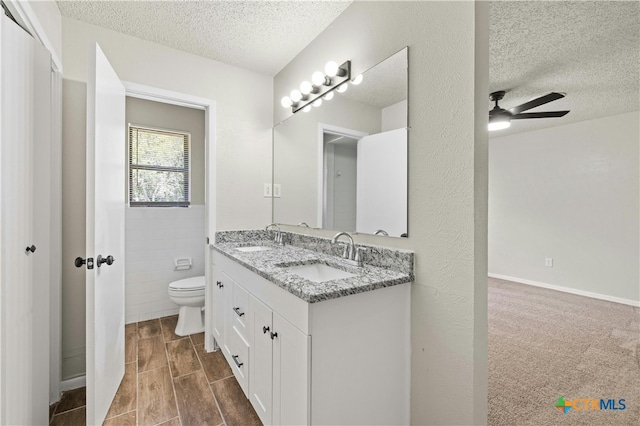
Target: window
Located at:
point(158, 168)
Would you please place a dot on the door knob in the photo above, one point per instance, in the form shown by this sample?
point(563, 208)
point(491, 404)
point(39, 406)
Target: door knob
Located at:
point(265, 329)
point(80, 261)
point(31, 249)
point(273, 335)
point(108, 260)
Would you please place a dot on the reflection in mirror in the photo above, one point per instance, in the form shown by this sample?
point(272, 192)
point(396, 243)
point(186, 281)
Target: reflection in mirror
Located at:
point(343, 165)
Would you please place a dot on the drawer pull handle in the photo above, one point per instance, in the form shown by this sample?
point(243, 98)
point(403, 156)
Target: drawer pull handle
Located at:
point(237, 310)
point(265, 329)
point(273, 335)
point(219, 284)
point(235, 359)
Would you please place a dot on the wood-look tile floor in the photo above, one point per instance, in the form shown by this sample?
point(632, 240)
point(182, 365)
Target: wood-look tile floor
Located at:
point(169, 380)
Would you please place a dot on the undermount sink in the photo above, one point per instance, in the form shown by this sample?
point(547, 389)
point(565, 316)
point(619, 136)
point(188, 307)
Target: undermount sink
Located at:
point(253, 248)
point(319, 272)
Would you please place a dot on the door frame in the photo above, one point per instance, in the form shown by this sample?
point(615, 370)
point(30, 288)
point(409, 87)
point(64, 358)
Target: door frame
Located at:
point(156, 94)
point(321, 185)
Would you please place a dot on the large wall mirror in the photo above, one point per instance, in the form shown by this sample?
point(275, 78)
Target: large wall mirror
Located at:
point(343, 165)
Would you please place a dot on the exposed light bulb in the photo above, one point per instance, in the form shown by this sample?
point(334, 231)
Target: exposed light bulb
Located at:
point(342, 88)
point(318, 78)
point(499, 125)
point(331, 69)
point(295, 95)
point(317, 102)
point(357, 80)
point(286, 102)
point(328, 96)
point(307, 108)
point(306, 87)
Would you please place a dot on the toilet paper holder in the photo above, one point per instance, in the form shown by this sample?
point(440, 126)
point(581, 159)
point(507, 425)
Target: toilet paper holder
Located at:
point(183, 263)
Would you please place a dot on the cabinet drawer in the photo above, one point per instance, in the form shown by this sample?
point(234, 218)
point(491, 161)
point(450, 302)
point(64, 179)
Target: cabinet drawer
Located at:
point(240, 359)
point(240, 311)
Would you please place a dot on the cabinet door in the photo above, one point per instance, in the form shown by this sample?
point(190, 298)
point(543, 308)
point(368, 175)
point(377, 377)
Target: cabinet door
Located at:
point(261, 378)
point(291, 351)
point(221, 287)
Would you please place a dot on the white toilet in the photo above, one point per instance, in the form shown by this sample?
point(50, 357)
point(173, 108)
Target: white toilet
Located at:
point(189, 295)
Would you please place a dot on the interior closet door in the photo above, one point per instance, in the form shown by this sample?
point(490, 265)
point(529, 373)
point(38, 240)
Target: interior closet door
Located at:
point(105, 234)
point(24, 302)
point(382, 183)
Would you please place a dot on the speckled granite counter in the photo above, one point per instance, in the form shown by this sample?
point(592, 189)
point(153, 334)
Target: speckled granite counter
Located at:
point(271, 264)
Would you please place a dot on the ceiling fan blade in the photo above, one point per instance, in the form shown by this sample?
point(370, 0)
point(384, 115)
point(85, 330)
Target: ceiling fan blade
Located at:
point(549, 114)
point(536, 102)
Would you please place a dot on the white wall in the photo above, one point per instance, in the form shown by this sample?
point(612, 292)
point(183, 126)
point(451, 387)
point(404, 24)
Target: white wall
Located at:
point(570, 193)
point(243, 141)
point(155, 237)
point(394, 116)
point(448, 61)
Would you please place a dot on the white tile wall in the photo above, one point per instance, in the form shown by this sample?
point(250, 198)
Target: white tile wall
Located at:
point(154, 238)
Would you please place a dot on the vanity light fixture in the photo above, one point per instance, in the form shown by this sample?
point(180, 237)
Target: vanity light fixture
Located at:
point(335, 77)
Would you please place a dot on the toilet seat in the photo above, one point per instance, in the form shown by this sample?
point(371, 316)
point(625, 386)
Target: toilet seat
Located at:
point(188, 285)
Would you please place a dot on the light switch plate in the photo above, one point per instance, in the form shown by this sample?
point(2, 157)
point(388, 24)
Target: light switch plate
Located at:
point(277, 190)
point(267, 190)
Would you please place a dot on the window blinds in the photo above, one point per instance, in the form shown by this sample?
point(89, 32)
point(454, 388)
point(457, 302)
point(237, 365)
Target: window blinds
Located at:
point(158, 168)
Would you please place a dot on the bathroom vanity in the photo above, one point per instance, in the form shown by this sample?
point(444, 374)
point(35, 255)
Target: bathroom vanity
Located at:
point(311, 339)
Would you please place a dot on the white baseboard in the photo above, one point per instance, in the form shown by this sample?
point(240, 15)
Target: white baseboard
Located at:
point(590, 294)
point(75, 383)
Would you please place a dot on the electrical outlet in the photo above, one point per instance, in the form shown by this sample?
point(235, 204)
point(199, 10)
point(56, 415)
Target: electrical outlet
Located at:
point(267, 190)
point(548, 261)
point(277, 190)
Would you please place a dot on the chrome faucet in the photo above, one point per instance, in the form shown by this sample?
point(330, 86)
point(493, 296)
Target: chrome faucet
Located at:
point(382, 232)
point(303, 224)
point(278, 238)
point(351, 253)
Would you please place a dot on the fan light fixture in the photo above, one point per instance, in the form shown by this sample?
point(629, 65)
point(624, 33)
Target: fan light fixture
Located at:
point(500, 118)
point(322, 86)
point(499, 124)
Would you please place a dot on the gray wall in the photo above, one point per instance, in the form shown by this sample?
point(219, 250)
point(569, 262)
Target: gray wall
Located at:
point(172, 117)
point(448, 85)
point(74, 105)
point(569, 193)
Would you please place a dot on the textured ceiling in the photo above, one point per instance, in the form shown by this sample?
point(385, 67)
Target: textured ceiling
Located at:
point(588, 50)
point(262, 36)
point(383, 84)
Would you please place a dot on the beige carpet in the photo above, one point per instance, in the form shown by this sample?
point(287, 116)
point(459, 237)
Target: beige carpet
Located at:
point(544, 344)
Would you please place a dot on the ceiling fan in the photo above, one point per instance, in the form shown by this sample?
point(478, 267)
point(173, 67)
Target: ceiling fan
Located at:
point(500, 118)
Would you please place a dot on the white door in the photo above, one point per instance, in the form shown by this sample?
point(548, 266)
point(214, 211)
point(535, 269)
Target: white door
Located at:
point(105, 234)
point(291, 374)
point(382, 183)
point(24, 287)
point(261, 360)
point(218, 298)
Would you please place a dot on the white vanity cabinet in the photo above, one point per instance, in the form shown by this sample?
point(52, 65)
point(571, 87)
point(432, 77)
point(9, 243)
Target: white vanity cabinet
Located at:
point(279, 381)
point(340, 361)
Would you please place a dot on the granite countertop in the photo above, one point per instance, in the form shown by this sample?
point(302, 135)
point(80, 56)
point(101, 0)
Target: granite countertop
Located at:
point(271, 264)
